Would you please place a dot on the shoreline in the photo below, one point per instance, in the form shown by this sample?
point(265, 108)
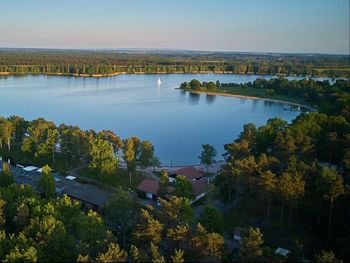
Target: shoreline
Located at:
point(154, 73)
point(310, 108)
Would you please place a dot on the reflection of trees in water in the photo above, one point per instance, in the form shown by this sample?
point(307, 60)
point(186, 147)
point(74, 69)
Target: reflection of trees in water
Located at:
point(268, 103)
point(194, 98)
point(210, 98)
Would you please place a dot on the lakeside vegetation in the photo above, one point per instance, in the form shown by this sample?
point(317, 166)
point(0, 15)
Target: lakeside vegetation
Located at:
point(331, 98)
point(109, 62)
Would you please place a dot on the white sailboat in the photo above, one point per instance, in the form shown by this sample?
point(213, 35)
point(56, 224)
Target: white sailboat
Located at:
point(159, 82)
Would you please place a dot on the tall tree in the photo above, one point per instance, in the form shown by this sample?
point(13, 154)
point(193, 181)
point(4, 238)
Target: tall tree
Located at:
point(178, 256)
point(103, 159)
point(46, 182)
point(326, 257)
point(113, 254)
point(130, 157)
point(156, 256)
point(251, 245)
point(268, 183)
point(41, 138)
point(149, 229)
point(6, 132)
point(207, 156)
point(6, 176)
point(183, 187)
point(334, 187)
point(146, 154)
point(163, 184)
point(119, 212)
point(211, 219)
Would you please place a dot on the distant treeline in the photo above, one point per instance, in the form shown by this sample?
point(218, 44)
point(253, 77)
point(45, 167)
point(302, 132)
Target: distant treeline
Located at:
point(69, 62)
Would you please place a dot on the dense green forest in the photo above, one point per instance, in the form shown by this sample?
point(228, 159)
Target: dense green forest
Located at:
point(330, 98)
point(104, 62)
point(286, 183)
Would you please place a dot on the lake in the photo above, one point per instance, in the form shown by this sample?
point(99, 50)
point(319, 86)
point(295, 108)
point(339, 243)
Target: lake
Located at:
point(176, 122)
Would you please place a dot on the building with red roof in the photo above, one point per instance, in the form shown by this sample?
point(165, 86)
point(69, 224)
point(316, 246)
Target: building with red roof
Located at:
point(150, 188)
point(189, 172)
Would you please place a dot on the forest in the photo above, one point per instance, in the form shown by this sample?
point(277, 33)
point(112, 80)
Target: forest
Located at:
point(330, 98)
point(285, 184)
point(106, 62)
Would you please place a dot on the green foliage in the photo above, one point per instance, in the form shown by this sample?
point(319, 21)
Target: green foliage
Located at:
point(207, 156)
point(43, 136)
point(6, 176)
point(119, 212)
point(163, 184)
point(149, 229)
point(183, 187)
point(130, 154)
point(6, 131)
point(113, 254)
point(47, 183)
point(195, 84)
point(326, 257)
point(156, 256)
point(103, 159)
point(175, 211)
point(73, 62)
point(251, 245)
point(146, 155)
point(211, 219)
point(178, 256)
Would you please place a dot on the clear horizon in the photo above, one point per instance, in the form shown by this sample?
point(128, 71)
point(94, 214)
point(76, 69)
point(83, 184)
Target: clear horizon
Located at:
point(270, 26)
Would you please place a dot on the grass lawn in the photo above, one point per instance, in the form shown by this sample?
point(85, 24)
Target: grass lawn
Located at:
point(18, 157)
point(120, 180)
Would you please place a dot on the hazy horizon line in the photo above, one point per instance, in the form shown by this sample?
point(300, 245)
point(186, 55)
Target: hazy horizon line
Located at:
point(178, 50)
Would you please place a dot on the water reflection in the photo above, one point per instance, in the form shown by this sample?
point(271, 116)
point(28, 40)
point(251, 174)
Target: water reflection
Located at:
point(209, 99)
point(194, 98)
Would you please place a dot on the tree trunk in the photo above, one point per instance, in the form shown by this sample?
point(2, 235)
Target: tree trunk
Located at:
point(268, 209)
point(66, 162)
point(290, 214)
point(9, 144)
point(53, 156)
point(229, 191)
point(282, 207)
point(319, 216)
point(330, 216)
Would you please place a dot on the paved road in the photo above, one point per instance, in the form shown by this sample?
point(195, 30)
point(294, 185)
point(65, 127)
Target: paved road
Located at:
point(212, 169)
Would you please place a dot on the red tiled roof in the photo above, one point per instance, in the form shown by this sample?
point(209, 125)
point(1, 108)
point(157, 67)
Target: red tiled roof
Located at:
point(198, 187)
point(190, 172)
point(150, 186)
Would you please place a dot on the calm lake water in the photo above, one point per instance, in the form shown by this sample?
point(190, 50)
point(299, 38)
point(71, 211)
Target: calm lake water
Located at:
point(176, 122)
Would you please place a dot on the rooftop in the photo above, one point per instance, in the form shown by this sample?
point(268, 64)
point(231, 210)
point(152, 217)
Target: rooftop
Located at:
point(190, 172)
point(150, 186)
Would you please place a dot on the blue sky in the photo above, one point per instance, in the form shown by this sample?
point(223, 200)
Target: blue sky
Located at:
point(318, 26)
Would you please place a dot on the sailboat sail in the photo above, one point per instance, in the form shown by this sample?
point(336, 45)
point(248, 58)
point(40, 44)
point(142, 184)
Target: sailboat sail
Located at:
point(159, 82)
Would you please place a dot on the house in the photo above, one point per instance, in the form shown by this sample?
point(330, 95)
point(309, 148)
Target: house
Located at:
point(199, 190)
point(282, 251)
point(150, 188)
point(189, 172)
point(238, 233)
point(89, 195)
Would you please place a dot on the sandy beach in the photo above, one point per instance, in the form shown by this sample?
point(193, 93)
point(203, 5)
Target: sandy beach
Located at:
point(254, 98)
